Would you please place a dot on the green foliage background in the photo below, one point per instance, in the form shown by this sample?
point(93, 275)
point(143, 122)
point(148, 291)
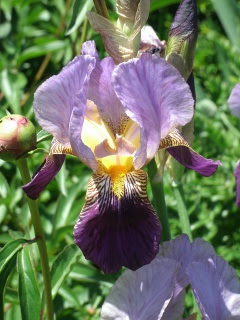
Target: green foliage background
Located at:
point(33, 31)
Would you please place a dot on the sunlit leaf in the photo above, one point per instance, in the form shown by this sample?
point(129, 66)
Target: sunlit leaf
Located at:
point(80, 9)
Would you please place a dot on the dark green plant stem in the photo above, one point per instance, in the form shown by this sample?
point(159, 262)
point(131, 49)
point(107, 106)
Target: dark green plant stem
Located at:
point(159, 199)
point(182, 209)
point(101, 8)
point(39, 235)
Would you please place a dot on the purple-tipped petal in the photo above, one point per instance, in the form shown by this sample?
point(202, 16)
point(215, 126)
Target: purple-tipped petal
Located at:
point(44, 175)
point(237, 179)
point(55, 98)
point(216, 288)
point(192, 160)
point(143, 294)
point(185, 20)
point(155, 96)
point(89, 48)
point(102, 94)
point(185, 252)
point(234, 101)
point(118, 231)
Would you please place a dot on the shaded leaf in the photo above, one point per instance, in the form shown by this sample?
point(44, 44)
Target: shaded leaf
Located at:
point(29, 294)
point(62, 266)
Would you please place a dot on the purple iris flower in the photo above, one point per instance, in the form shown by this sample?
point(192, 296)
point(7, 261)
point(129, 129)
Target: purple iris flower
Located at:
point(157, 291)
point(115, 119)
point(234, 105)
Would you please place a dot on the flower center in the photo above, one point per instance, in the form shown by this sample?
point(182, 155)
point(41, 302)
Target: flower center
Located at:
point(117, 174)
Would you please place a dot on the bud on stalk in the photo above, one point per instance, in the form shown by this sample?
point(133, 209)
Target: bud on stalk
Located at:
point(17, 136)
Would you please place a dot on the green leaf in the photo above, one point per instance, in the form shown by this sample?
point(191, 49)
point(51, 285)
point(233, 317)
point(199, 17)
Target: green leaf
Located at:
point(43, 135)
point(62, 266)
point(61, 180)
point(228, 14)
point(8, 255)
point(41, 49)
point(156, 4)
point(29, 295)
point(4, 186)
point(80, 10)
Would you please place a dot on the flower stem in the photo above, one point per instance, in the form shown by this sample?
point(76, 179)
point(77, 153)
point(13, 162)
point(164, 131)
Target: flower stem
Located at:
point(39, 234)
point(101, 8)
point(159, 199)
point(182, 209)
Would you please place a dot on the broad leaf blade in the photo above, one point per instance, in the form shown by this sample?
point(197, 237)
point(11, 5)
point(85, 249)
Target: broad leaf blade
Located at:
point(30, 301)
point(62, 266)
point(80, 9)
point(8, 255)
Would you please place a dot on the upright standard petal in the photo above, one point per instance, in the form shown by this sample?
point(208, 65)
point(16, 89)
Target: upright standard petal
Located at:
point(143, 294)
point(48, 169)
point(216, 288)
point(150, 42)
point(237, 179)
point(103, 95)
point(158, 100)
point(55, 98)
point(115, 231)
point(234, 101)
point(178, 148)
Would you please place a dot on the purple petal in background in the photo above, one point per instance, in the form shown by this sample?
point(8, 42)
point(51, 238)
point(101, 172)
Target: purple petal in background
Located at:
point(185, 252)
point(55, 98)
point(237, 179)
point(155, 96)
point(143, 294)
point(192, 160)
point(216, 288)
point(44, 175)
point(113, 232)
point(234, 101)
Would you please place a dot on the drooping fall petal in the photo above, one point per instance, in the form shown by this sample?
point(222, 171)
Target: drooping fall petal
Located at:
point(178, 147)
point(48, 169)
point(117, 231)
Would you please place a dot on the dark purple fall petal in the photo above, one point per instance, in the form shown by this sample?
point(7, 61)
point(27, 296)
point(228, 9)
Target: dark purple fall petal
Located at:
point(113, 232)
point(44, 175)
point(237, 179)
point(216, 288)
point(192, 160)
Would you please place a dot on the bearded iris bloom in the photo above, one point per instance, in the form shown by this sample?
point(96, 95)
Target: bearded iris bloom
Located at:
point(157, 291)
point(115, 119)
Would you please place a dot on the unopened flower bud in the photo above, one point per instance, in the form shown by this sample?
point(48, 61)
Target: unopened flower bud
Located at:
point(183, 37)
point(17, 136)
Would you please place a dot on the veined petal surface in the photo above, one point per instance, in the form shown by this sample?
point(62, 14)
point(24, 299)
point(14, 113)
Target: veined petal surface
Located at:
point(55, 98)
point(216, 288)
point(143, 294)
point(103, 95)
point(158, 99)
point(89, 48)
point(179, 148)
point(234, 101)
point(185, 252)
point(48, 169)
point(118, 231)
